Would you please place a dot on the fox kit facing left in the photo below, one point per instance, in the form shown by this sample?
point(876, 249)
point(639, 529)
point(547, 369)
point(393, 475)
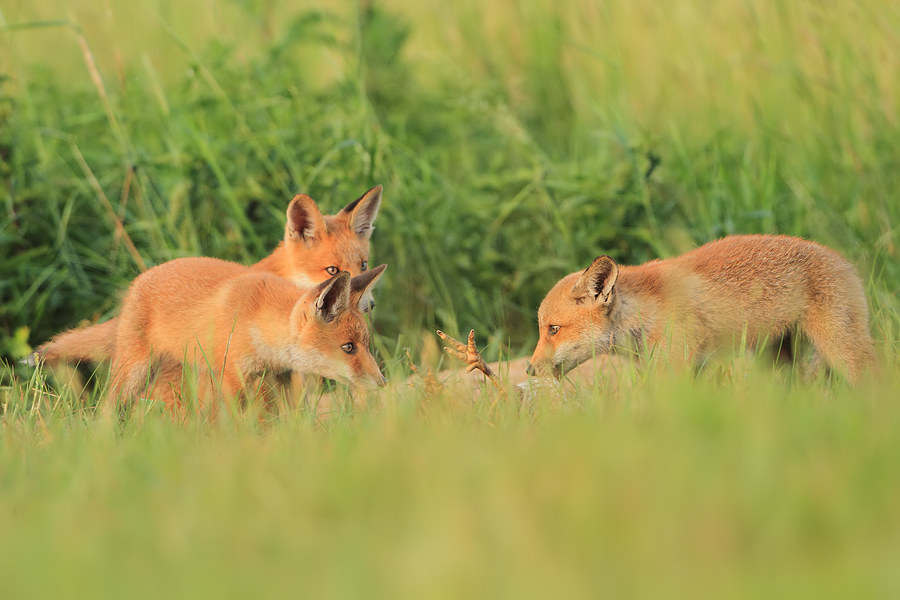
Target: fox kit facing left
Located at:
point(750, 288)
point(236, 323)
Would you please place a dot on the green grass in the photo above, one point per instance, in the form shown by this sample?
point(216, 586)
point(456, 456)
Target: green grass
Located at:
point(678, 488)
point(516, 142)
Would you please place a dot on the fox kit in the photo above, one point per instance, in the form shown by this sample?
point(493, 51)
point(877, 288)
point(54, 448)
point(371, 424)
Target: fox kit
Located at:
point(315, 248)
point(237, 322)
point(754, 288)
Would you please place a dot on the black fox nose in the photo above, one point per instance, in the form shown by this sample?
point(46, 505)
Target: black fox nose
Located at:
point(371, 304)
point(529, 369)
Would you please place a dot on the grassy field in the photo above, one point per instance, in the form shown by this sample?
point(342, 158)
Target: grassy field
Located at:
point(516, 141)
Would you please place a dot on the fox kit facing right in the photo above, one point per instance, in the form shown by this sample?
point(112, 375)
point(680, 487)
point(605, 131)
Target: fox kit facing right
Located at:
point(747, 288)
point(235, 323)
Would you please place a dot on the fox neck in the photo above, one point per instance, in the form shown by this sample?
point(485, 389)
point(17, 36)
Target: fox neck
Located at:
point(274, 331)
point(273, 263)
point(277, 264)
point(635, 308)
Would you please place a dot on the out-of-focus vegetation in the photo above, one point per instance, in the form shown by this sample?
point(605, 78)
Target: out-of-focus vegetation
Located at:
point(515, 141)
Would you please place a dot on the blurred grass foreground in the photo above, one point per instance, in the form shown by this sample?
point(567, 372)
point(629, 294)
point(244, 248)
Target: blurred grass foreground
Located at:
point(516, 141)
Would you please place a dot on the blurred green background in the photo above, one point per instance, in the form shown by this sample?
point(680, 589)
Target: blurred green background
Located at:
point(516, 141)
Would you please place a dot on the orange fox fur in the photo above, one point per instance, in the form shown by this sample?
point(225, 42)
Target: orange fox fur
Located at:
point(236, 323)
point(315, 247)
point(749, 288)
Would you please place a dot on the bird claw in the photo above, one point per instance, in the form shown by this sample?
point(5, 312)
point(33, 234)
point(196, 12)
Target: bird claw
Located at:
point(468, 353)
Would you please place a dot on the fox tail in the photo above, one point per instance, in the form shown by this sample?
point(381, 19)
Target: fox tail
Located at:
point(94, 343)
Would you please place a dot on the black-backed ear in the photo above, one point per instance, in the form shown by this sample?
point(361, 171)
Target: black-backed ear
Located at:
point(362, 284)
point(361, 212)
point(304, 220)
point(334, 297)
point(598, 281)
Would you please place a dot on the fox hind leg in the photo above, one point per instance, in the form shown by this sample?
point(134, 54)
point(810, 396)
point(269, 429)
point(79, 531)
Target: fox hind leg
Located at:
point(130, 373)
point(128, 380)
point(841, 339)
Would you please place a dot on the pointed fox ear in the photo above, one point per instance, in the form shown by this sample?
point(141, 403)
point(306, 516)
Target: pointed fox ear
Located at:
point(361, 212)
point(334, 297)
point(598, 281)
point(361, 285)
point(304, 220)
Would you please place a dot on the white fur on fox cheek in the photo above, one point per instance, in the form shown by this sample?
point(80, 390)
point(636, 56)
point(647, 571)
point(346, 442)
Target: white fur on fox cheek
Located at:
point(294, 357)
point(320, 364)
point(595, 340)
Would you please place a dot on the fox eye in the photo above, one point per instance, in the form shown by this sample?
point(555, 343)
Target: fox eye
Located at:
point(349, 348)
point(553, 329)
point(331, 270)
point(364, 265)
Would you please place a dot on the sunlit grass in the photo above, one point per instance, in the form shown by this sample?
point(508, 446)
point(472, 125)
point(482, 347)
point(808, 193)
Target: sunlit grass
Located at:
point(717, 485)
